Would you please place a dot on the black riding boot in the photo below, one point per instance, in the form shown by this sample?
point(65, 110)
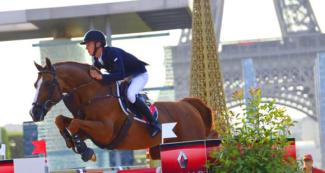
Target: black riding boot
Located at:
point(143, 109)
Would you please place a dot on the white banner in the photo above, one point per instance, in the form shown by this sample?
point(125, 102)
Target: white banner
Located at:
point(167, 131)
point(3, 150)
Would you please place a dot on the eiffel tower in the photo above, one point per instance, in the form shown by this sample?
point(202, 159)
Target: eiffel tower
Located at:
point(288, 69)
point(205, 79)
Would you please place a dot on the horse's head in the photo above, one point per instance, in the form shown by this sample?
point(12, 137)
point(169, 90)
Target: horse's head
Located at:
point(48, 91)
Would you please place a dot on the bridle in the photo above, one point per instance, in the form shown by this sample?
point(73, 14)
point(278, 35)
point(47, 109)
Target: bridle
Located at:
point(54, 84)
point(49, 102)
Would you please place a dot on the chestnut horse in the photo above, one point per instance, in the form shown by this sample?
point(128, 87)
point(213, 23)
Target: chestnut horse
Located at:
point(98, 116)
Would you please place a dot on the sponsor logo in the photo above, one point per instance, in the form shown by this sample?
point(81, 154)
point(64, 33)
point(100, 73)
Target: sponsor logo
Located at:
point(182, 160)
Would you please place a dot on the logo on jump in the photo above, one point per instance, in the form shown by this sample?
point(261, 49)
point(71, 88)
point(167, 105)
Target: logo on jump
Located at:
point(182, 160)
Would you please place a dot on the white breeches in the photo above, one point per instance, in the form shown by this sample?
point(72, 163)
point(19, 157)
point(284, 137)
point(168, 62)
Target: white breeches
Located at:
point(137, 84)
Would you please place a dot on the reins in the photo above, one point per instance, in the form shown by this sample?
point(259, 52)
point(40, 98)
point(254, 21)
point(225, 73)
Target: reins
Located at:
point(66, 95)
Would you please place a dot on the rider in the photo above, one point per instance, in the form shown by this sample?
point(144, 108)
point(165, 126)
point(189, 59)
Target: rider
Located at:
point(119, 64)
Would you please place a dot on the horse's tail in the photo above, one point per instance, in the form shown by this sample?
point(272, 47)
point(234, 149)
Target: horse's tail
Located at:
point(204, 110)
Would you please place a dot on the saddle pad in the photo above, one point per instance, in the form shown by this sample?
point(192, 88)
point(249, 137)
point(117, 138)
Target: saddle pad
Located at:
point(129, 110)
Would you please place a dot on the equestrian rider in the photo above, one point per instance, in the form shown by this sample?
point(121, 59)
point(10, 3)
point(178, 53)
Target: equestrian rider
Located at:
point(119, 64)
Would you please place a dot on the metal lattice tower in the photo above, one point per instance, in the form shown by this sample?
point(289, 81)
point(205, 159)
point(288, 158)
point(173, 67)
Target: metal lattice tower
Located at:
point(296, 17)
point(206, 80)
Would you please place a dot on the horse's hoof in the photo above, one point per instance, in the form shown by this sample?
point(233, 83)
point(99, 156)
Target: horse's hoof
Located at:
point(93, 158)
point(88, 154)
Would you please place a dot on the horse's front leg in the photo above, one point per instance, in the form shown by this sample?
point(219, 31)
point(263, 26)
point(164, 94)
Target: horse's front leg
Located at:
point(62, 123)
point(99, 131)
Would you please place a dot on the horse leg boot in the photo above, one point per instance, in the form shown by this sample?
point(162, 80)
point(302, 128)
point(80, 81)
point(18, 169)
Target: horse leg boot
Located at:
point(81, 148)
point(143, 109)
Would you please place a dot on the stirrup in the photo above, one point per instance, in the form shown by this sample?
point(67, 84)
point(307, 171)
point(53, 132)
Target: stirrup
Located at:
point(155, 132)
point(155, 129)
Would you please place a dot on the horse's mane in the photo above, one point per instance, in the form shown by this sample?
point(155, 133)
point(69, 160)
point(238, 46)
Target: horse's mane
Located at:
point(79, 65)
point(75, 67)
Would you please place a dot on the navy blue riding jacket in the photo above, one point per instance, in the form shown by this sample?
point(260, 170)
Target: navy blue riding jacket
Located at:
point(119, 64)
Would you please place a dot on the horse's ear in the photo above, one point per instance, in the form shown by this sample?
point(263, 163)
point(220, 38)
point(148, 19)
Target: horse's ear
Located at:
point(39, 67)
point(48, 63)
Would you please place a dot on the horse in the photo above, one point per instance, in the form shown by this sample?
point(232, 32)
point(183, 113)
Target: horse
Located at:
point(97, 114)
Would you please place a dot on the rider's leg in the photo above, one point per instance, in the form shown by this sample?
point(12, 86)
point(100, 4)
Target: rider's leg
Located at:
point(137, 84)
point(143, 109)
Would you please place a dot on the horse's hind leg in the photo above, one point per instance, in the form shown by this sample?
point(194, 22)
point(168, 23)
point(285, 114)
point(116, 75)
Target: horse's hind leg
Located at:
point(62, 123)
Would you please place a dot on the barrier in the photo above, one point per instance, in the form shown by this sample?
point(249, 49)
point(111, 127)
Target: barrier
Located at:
point(179, 157)
point(145, 170)
point(6, 166)
point(192, 156)
point(183, 157)
point(110, 170)
point(34, 165)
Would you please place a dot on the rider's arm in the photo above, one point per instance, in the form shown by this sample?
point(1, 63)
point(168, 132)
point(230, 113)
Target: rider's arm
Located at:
point(117, 72)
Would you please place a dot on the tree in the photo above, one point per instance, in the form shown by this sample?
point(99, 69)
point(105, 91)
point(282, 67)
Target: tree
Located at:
point(5, 140)
point(16, 145)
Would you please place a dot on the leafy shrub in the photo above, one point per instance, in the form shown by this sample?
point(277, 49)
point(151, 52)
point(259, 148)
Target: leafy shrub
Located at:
point(255, 141)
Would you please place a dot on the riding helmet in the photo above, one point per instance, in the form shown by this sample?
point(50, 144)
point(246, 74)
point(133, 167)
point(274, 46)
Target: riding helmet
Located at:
point(94, 35)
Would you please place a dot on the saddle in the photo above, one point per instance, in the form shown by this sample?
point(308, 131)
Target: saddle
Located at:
point(127, 106)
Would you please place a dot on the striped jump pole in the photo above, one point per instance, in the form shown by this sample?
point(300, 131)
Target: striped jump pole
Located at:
point(132, 169)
